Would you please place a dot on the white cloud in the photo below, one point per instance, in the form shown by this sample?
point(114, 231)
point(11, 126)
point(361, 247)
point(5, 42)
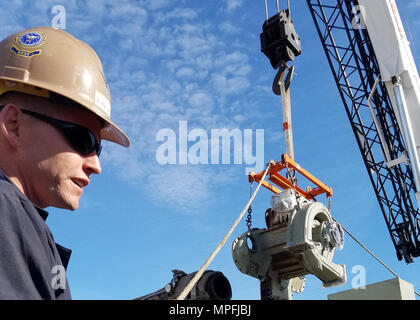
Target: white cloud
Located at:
point(227, 86)
point(239, 118)
point(229, 28)
point(156, 4)
point(180, 187)
point(177, 13)
point(201, 100)
point(185, 72)
point(414, 4)
point(231, 5)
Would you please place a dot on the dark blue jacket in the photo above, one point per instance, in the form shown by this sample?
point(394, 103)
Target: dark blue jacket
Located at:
point(32, 265)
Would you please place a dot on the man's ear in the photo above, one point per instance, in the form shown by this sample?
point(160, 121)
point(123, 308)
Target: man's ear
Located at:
point(10, 124)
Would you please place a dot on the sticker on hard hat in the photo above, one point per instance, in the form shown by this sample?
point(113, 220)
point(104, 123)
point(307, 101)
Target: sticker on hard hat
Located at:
point(24, 53)
point(30, 39)
point(103, 103)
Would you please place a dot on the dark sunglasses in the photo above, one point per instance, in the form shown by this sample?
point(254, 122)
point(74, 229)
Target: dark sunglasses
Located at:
point(81, 138)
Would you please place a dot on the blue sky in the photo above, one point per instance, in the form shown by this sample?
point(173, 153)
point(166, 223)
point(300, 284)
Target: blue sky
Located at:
point(200, 62)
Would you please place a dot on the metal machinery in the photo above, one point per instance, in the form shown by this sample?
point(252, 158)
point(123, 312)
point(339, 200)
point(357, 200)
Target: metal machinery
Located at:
point(376, 76)
point(213, 285)
point(300, 238)
point(301, 235)
point(372, 64)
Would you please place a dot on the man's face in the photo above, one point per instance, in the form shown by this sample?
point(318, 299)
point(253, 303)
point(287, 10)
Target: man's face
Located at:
point(53, 173)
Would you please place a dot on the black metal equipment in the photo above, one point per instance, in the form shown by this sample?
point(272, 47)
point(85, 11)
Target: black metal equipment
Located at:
point(355, 69)
point(213, 285)
point(279, 40)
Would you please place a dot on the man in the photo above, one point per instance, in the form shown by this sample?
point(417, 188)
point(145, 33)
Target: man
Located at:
point(54, 112)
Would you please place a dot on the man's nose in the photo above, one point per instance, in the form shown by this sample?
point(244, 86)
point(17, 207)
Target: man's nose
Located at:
point(92, 164)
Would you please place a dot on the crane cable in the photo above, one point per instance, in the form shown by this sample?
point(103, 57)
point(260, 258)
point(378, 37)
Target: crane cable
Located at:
point(200, 272)
point(371, 253)
point(278, 8)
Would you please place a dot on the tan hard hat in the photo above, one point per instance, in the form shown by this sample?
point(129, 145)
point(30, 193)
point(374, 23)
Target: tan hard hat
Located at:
point(48, 62)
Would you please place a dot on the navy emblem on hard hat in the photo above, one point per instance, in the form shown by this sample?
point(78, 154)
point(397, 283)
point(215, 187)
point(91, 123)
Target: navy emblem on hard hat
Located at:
point(30, 39)
point(24, 53)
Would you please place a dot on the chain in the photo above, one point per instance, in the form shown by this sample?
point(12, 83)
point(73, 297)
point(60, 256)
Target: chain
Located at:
point(291, 176)
point(249, 216)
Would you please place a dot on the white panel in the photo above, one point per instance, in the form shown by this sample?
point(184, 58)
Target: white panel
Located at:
point(388, 37)
point(394, 289)
point(395, 58)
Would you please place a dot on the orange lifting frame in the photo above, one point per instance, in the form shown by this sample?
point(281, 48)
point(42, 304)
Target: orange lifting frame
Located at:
point(277, 179)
